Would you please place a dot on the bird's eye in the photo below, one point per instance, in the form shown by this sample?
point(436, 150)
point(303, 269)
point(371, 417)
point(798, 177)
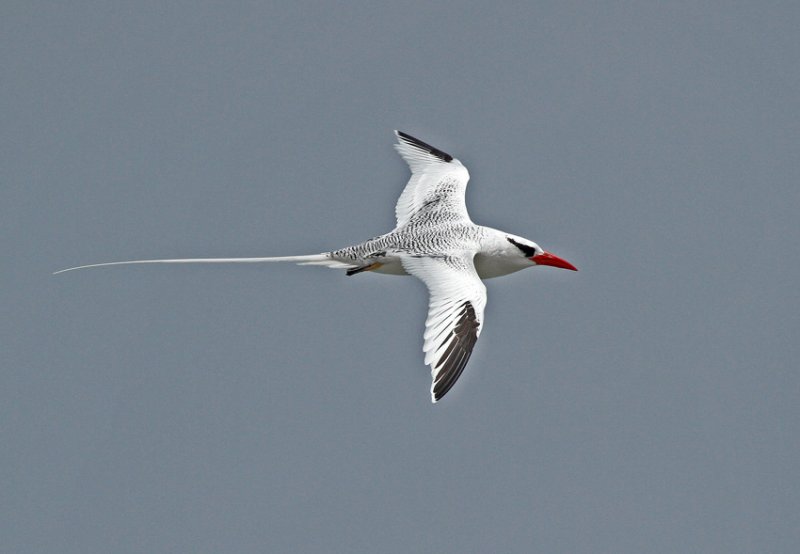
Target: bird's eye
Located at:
point(529, 251)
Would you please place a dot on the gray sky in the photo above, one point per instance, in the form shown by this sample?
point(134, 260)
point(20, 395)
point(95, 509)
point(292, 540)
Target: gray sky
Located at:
point(648, 403)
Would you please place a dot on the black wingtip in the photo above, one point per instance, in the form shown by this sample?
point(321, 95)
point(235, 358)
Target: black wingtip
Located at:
point(444, 156)
point(455, 358)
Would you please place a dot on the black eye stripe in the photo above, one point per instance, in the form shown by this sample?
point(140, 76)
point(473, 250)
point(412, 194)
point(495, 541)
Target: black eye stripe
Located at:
point(527, 250)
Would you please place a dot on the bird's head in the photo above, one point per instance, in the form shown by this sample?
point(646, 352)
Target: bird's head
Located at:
point(536, 254)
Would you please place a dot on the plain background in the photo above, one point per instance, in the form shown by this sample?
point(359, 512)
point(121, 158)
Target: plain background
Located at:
point(648, 403)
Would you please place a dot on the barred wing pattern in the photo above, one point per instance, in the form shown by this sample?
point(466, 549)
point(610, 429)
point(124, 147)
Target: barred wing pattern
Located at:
point(455, 315)
point(436, 177)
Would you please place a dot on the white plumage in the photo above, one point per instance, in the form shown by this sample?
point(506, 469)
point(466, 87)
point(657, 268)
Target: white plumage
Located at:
point(429, 174)
point(436, 241)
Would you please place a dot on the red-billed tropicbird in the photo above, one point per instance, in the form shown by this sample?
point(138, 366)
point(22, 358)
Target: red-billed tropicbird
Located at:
point(436, 241)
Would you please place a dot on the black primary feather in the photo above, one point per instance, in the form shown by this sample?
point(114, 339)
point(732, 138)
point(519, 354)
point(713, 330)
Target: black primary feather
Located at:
point(425, 146)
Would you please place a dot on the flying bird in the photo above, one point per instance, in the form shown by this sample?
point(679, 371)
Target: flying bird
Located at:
point(436, 241)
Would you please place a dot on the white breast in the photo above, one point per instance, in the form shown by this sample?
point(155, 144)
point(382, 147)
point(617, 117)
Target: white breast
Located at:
point(489, 266)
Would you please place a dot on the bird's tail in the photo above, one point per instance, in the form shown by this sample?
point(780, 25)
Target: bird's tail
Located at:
point(313, 259)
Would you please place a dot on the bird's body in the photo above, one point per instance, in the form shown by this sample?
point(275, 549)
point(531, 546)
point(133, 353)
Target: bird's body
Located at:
point(494, 256)
point(436, 241)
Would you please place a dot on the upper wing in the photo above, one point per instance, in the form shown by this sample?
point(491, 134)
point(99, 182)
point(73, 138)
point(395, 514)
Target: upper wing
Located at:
point(455, 316)
point(436, 177)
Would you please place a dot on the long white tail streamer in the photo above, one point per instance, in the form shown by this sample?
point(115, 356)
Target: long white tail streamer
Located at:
point(313, 259)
